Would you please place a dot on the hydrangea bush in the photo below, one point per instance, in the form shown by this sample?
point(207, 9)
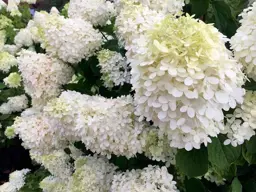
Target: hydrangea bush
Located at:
point(130, 95)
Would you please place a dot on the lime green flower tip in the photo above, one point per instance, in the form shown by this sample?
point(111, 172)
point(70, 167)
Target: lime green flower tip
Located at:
point(9, 132)
point(13, 80)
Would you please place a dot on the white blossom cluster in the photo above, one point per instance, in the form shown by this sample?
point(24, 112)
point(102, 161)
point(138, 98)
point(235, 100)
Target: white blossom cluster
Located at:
point(105, 126)
point(241, 125)
point(37, 132)
point(184, 79)
point(16, 181)
point(53, 184)
point(151, 178)
point(92, 173)
point(114, 68)
point(165, 6)
point(14, 104)
point(56, 162)
point(24, 38)
point(157, 147)
point(7, 61)
point(42, 75)
point(69, 39)
point(243, 42)
point(98, 12)
point(132, 22)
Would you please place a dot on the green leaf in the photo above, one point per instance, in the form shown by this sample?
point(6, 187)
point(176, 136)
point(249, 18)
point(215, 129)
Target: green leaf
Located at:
point(192, 163)
point(251, 145)
point(236, 6)
point(2, 86)
point(194, 185)
point(199, 7)
point(249, 157)
point(222, 156)
point(236, 186)
point(223, 18)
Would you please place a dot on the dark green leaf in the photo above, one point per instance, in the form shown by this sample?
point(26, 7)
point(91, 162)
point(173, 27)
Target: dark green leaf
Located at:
point(236, 185)
point(249, 157)
point(223, 18)
point(251, 145)
point(194, 185)
point(199, 7)
point(222, 156)
point(192, 163)
point(2, 86)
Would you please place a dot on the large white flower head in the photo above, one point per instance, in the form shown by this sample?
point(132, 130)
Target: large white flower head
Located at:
point(38, 133)
point(56, 162)
point(241, 125)
point(69, 39)
point(13, 80)
point(14, 104)
point(92, 173)
point(42, 75)
point(105, 126)
point(132, 22)
point(114, 68)
point(16, 181)
point(184, 80)
point(149, 179)
point(165, 6)
point(98, 12)
point(243, 42)
point(7, 61)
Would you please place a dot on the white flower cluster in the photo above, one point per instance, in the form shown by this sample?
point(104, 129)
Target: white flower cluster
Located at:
point(38, 132)
point(24, 38)
point(69, 39)
point(184, 80)
point(243, 42)
point(132, 22)
point(53, 184)
point(7, 61)
point(241, 125)
point(105, 126)
point(114, 68)
point(14, 104)
point(13, 80)
point(57, 163)
point(158, 147)
point(165, 6)
point(149, 179)
point(98, 12)
point(42, 75)
point(91, 174)
point(16, 181)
